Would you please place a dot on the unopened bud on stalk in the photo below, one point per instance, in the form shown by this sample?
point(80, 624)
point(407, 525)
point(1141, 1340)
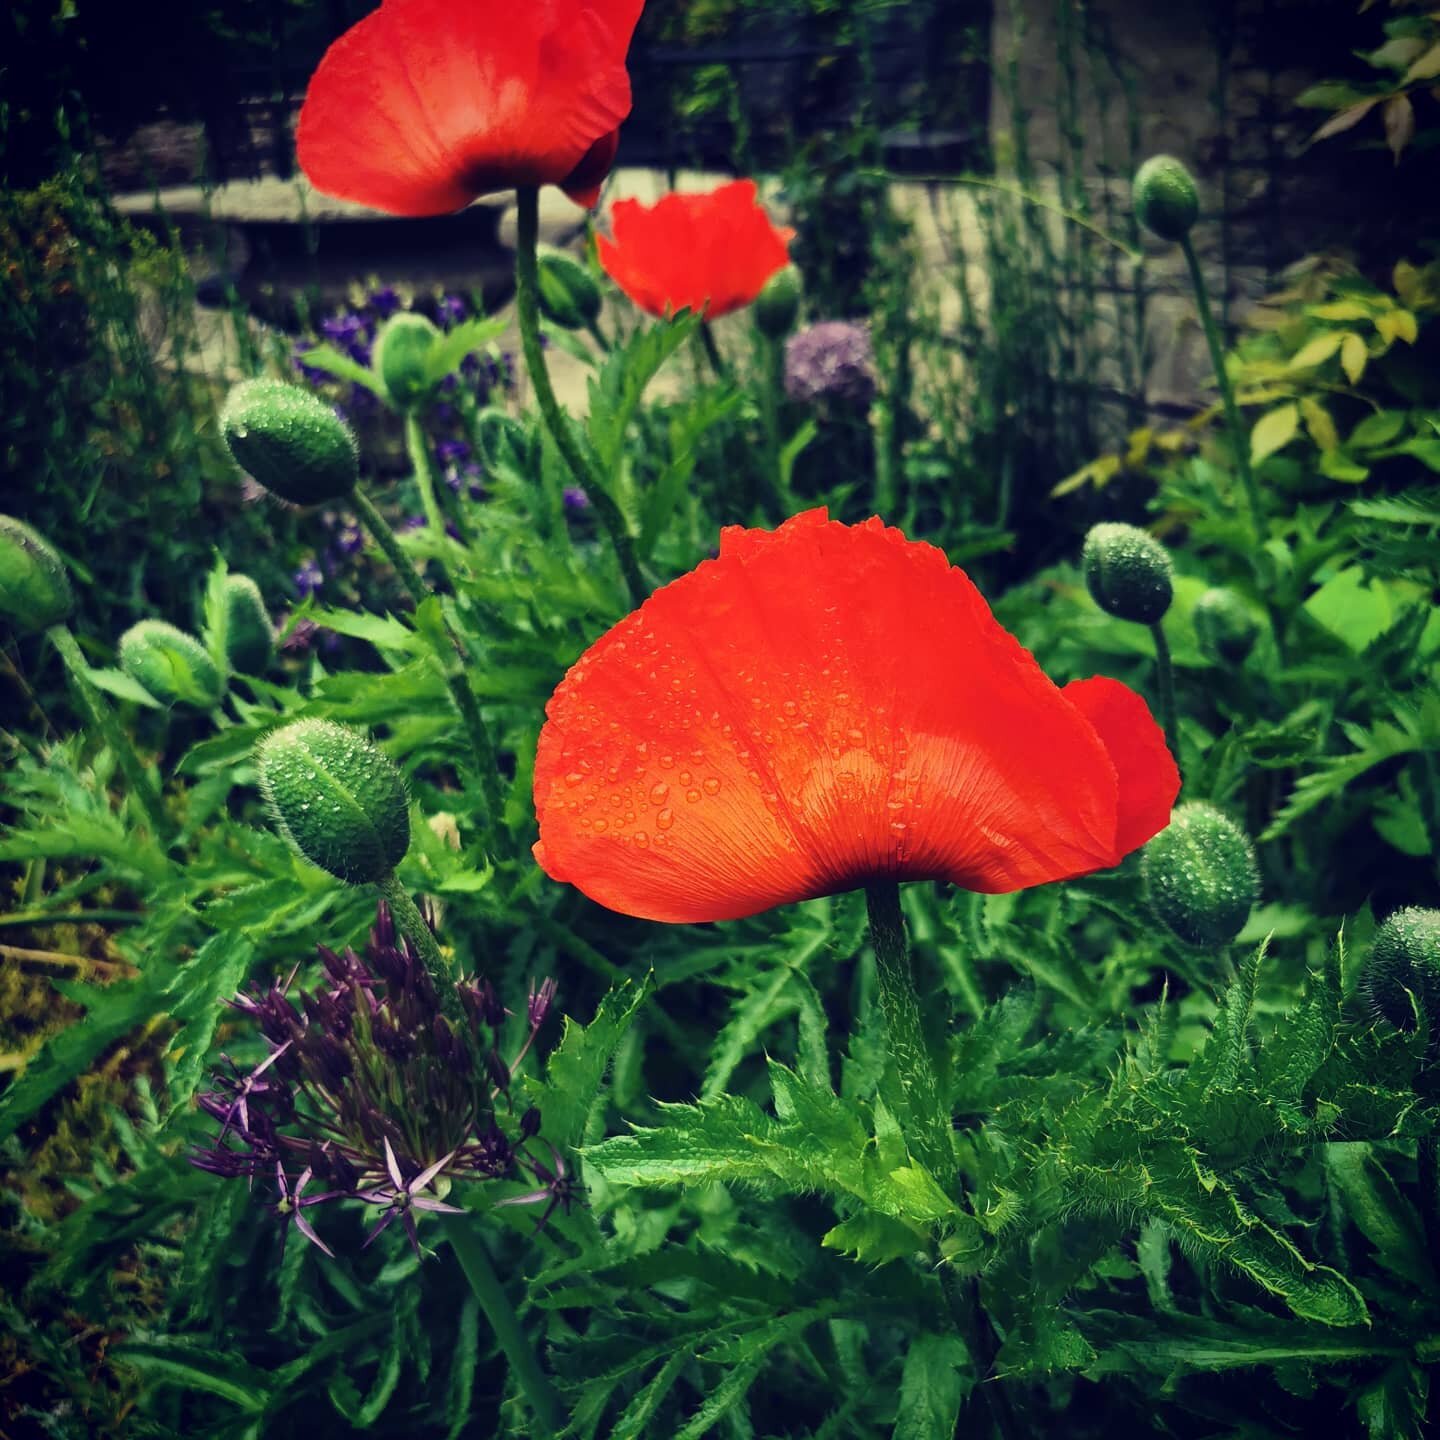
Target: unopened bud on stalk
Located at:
point(35, 589)
point(171, 664)
point(1200, 875)
point(504, 442)
point(335, 798)
point(249, 636)
point(777, 307)
point(567, 292)
point(1225, 627)
point(290, 441)
point(1128, 572)
point(1166, 200)
point(402, 352)
point(1405, 962)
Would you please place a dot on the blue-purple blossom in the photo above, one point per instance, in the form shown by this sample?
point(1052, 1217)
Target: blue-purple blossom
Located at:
point(452, 452)
point(576, 500)
point(453, 309)
point(384, 302)
point(308, 578)
point(833, 361)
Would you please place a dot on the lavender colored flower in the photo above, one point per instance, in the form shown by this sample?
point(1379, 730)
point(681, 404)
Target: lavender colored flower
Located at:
point(344, 330)
point(452, 452)
point(833, 362)
point(384, 302)
point(576, 500)
point(453, 309)
point(385, 1087)
point(308, 578)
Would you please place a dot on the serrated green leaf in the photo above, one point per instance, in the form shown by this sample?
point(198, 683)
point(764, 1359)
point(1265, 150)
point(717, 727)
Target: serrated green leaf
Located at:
point(937, 1376)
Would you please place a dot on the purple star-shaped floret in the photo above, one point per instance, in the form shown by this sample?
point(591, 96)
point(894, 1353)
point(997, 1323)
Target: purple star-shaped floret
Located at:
point(248, 1087)
point(401, 1200)
point(559, 1188)
point(291, 1205)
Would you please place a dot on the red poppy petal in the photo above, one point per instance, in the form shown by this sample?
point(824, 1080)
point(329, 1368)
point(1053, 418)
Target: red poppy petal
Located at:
point(583, 183)
point(822, 705)
point(426, 104)
point(1148, 777)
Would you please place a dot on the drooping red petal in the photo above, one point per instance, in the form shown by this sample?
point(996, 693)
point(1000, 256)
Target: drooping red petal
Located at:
point(711, 252)
point(821, 706)
point(1149, 779)
point(426, 104)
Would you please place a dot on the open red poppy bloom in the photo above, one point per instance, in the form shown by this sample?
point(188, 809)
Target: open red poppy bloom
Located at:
point(824, 706)
point(710, 252)
point(426, 104)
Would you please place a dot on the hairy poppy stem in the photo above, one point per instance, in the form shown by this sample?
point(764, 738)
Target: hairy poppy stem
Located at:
point(527, 305)
point(419, 453)
point(92, 705)
point(470, 1251)
point(481, 744)
point(1165, 670)
point(1239, 440)
point(411, 923)
point(712, 351)
point(923, 1113)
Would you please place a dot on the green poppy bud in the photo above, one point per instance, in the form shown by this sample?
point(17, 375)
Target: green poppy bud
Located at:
point(1166, 201)
point(504, 442)
point(290, 441)
point(402, 350)
point(35, 589)
point(777, 307)
point(337, 799)
point(1128, 572)
point(249, 636)
point(1225, 627)
point(173, 666)
point(567, 292)
point(1405, 961)
point(1200, 875)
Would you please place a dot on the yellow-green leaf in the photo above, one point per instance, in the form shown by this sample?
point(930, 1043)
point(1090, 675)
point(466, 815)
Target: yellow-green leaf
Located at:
point(1353, 356)
point(1317, 350)
point(1319, 424)
point(1352, 115)
point(1273, 432)
point(1097, 473)
point(1341, 310)
point(1397, 325)
point(1426, 67)
point(1399, 124)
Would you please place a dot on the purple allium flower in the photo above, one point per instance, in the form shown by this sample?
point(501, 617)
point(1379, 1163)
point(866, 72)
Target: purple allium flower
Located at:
point(308, 578)
point(576, 500)
point(385, 1086)
point(832, 361)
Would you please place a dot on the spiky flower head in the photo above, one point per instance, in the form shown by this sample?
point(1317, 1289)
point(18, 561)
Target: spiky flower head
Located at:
point(336, 798)
point(35, 588)
point(171, 664)
point(290, 441)
point(1166, 200)
point(831, 362)
point(1200, 875)
point(249, 636)
point(1405, 963)
point(402, 353)
point(1128, 572)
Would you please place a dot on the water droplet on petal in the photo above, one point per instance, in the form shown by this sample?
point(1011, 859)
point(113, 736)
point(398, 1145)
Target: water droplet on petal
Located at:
point(712, 786)
point(665, 819)
point(658, 793)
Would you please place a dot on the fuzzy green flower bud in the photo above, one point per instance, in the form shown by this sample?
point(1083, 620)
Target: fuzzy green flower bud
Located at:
point(1166, 200)
point(249, 636)
point(1225, 627)
point(336, 798)
point(777, 307)
point(1405, 961)
point(172, 665)
point(402, 349)
point(290, 441)
point(1128, 572)
point(35, 588)
point(1200, 875)
point(504, 442)
point(567, 292)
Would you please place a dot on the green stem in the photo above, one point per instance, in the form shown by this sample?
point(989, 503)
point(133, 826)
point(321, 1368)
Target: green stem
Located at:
point(138, 780)
point(411, 923)
point(1239, 440)
point(599, 336)
point(923, 1114)
point(420, 460)
point(481, 745)
point(712, 351)
point(527, 307)
point(1165, 671)
point(470, 1251)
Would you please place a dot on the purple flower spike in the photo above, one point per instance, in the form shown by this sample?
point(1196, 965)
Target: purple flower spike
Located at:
point(833, 361)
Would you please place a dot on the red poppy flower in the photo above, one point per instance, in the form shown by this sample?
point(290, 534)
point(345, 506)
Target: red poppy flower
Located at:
point(426, 104)
point(694, 252)
point(823, 706)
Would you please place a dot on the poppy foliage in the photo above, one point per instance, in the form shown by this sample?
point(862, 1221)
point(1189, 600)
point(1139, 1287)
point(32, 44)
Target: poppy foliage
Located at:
point(823, 706)
point(711, 252)
point(426, 104)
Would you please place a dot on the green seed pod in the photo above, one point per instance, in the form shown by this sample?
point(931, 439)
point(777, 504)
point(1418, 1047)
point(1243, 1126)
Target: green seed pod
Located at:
point(777, 307)
point(402, 349)
point(1405, 961)
point(172, 665)
point(1225, 627)
point(504, 442)
point(1128, 572)
point(35, 589)
point(336, 798)
point(1166, 200)
point(249, 636)
point(290, 441)
point(567, 292)
point(1200, 875)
